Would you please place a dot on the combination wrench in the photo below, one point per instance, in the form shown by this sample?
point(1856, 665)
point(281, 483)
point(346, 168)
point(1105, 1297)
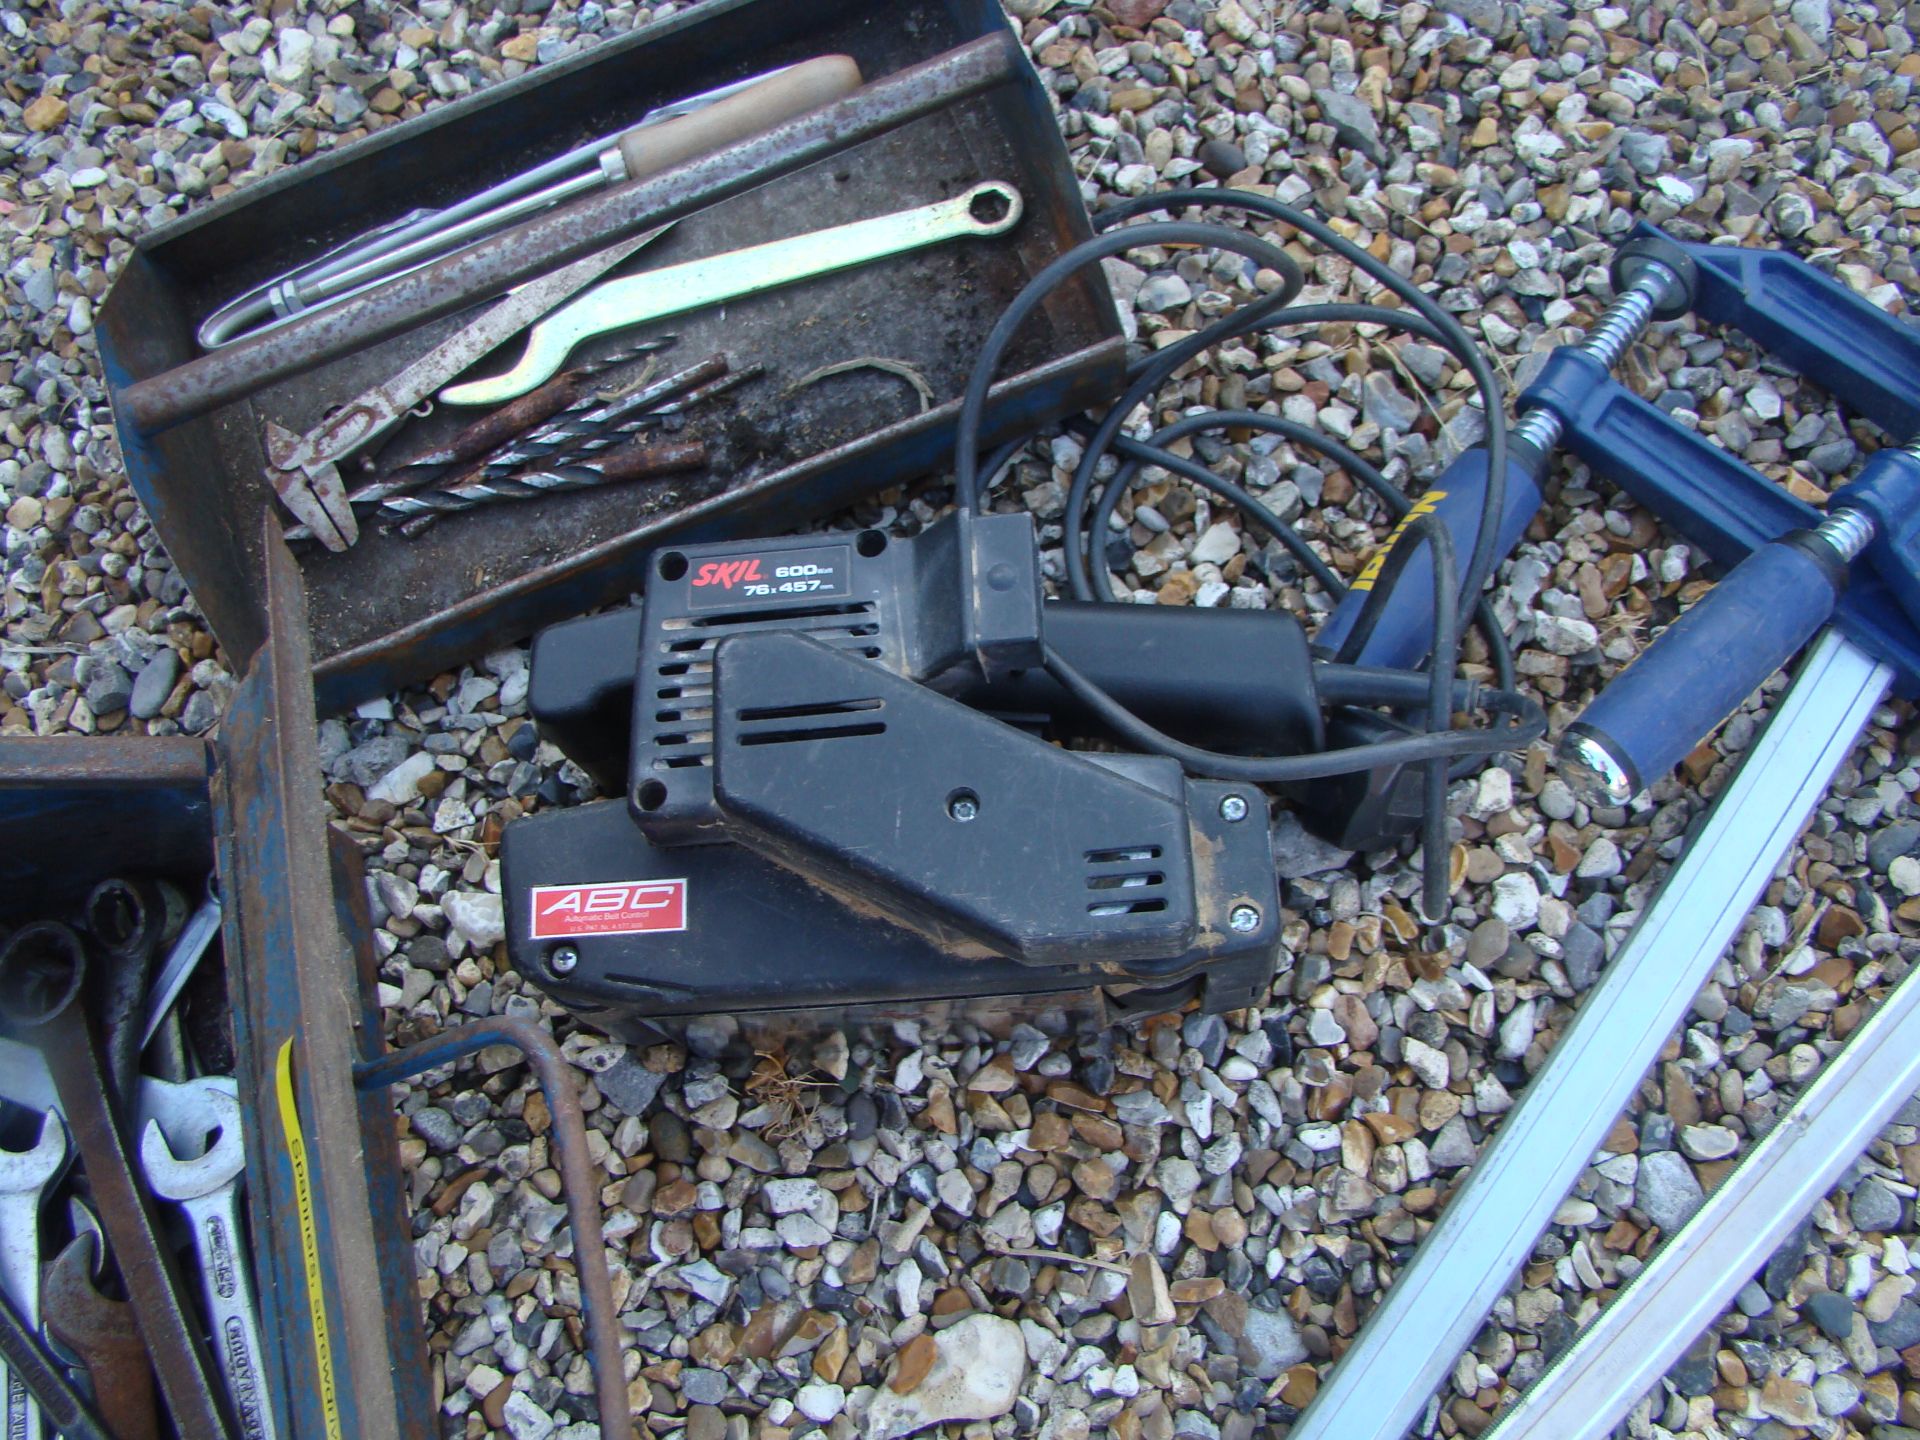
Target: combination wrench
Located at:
point(24, 1177)
point(207, 1190)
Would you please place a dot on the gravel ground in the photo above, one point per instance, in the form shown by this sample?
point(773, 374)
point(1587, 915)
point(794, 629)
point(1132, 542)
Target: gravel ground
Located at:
point(1165, 1233)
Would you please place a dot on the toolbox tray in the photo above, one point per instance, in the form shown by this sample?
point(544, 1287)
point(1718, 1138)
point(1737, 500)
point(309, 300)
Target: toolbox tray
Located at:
point(300, 976)
point(390, 611)
point(78, 810)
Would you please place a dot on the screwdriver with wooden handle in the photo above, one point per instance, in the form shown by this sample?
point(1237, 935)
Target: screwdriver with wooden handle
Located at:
point(669, 135)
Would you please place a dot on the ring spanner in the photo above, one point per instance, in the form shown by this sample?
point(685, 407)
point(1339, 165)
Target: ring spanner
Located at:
point(992, 208)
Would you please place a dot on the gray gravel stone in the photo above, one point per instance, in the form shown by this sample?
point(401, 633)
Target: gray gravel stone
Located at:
point(629, 1084)
point(1667, 1190)
point(435, 1126)
point(1899, 1330)
point(1832, 1312)
point(1875, 1207)
point(1354, 120)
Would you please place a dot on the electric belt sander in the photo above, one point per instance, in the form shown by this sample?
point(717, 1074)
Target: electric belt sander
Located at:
point(846, 788)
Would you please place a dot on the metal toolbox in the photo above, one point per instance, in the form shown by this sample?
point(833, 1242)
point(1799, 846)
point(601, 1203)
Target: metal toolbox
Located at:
point(389, 610)
point(299, 974)
point(332, 1251)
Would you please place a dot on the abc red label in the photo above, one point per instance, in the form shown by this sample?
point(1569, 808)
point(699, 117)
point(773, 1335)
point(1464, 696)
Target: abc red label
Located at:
point(622, 907)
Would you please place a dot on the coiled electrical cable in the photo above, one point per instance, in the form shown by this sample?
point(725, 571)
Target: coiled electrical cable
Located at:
point(1089, 513)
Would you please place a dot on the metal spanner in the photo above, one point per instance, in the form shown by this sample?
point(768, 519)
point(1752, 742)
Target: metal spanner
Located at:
point(192, 942)
point(105, 1335)
point(24, 1177)
point(207, 1190)
point(43, 969)
point(992, 208)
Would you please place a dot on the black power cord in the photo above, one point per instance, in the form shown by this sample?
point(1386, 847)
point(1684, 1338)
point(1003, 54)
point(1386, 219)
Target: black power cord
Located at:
point(1088, 515)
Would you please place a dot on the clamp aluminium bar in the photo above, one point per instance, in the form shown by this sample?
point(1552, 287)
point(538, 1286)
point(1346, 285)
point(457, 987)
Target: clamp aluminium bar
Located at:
point(1632, 1342)
point(1438, 1302)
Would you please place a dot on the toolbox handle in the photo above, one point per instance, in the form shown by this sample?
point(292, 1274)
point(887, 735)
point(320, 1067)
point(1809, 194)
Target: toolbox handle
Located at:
point(648, 149)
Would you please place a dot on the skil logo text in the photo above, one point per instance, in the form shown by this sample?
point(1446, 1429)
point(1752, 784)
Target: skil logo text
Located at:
point(726, 573)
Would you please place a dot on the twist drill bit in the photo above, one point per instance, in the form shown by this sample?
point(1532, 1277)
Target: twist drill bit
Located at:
point(564, 395)
point(571, 435)
point(567, 441)
point(635, 461)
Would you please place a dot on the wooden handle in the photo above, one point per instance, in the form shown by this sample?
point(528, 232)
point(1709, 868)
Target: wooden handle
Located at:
point(807, 86)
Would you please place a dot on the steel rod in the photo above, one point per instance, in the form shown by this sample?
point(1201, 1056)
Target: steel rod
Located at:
point(1437, 1303)
point(577, 1178)
point(1634, 1341)
point(559, 236)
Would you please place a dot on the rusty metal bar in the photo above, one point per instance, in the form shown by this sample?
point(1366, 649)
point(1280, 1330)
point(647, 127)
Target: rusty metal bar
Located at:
point(576, 1175)
point(560, 236)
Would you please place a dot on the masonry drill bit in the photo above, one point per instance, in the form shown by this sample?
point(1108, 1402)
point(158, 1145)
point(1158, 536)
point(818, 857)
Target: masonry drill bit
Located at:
point(635, 461)
point(563, 395)
point(617, 429)
point(570, 435)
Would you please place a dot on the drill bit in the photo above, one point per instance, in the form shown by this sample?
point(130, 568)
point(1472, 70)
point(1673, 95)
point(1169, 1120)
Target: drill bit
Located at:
point(565, 441)
point(634, 461)
point(564, 395)
point(571, 435)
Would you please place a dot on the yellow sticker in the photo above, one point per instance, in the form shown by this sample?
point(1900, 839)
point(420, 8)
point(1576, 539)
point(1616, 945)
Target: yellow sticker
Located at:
point(309, 1238)
point(1425, 505)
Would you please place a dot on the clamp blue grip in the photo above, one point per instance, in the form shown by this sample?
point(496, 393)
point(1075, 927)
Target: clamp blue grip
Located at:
point(1711, 496)
point(1404, 632)
point(1716, 654)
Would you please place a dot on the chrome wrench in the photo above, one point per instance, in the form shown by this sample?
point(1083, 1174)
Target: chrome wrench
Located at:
point(992, 208)
point(305, 469)
point(24, 1177)
point(207, 1190)
point(194, 938)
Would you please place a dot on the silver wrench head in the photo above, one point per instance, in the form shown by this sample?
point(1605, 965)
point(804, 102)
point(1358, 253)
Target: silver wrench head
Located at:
point(172, 1178)
point(186, 1114)
point(28, 1172)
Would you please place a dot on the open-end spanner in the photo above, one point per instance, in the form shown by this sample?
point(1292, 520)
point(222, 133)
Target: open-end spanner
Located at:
point(24, 1177)
point(105, 1336)
point(207, 1190)
point(43, 968)
point(23, 1353)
